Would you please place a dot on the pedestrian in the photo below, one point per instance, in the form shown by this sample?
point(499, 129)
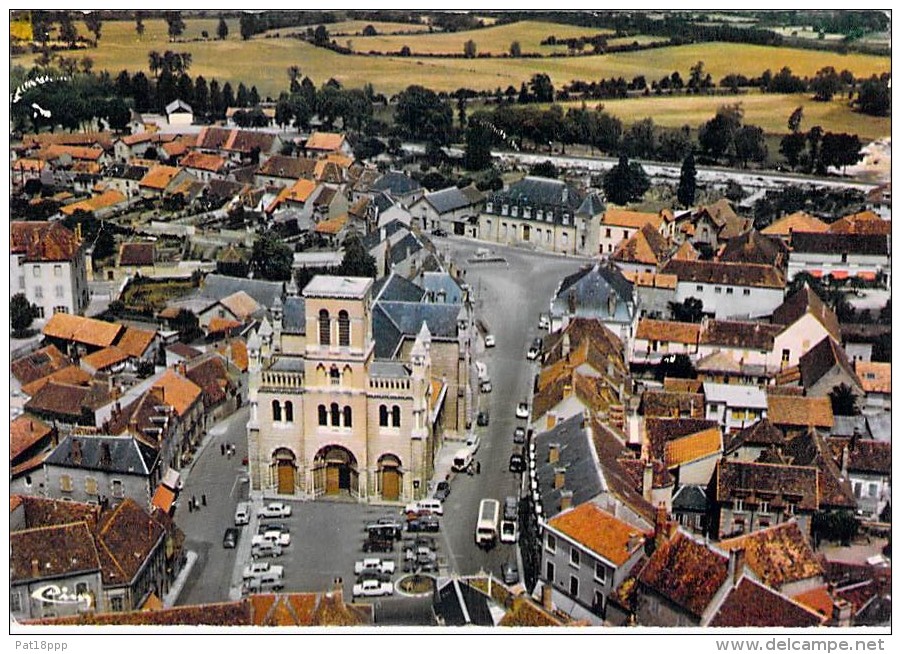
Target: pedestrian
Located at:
point(194, 500)
point(190, 507)
point(203, 499)
point(222, 449)
point(478, 467)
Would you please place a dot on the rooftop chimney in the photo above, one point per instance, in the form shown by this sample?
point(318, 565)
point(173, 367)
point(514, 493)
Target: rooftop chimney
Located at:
point(35, 568)
point(647, 480)
point(660, 525)
point(553, 452)
point(846, 460)
point(566, 500)
point(634, 541)
point(567, 390)
point(559, 478)
point(76, 451)
point(736, 564)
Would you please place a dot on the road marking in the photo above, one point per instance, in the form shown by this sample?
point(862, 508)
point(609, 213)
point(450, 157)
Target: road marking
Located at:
point(234, 486)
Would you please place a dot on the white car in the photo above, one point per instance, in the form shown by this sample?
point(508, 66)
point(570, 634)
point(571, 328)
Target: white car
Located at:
point(522, 410)
point(533, 353)
point(473, 441)
point(282, 538)
point(543, 321)
point(489, 340)
point(430, 505)
point(373, 588)
point(374, 565)
point(260, 568)
point(275, 510)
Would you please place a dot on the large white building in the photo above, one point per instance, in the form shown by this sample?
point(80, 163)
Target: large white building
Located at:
point(47, 264)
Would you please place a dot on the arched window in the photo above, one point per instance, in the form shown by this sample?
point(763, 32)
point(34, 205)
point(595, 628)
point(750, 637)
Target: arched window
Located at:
point(325, 328)
point(343, 329)
point(289, 411)
point(334, 375)
point(336, 415)
point(323, 415)
point(395, 416)
point(276, 411)
point(383, 416)
point(348, 417)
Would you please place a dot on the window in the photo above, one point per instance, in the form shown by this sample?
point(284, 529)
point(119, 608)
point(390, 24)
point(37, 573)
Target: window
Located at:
point(28, 481)
point(117, 488)
point(718, 290)
point(574, 557)
point(699, 288)
point(608, 233)
point(626, 233)
point(90, 486)
point(60, 309)
point(343, 329)
point(40, 312)
point(514, 211)
point(81, 588)
point(276, 411)
point(395, 416)
point(39, 292)
point(65, 483)
point(872, 490)
point(564, 238)
point(549, 572)
point(336, 415)
point(348, 417)
point(57, 271)
point(551, 543)
point(116, 604)
point(383, 416)
point(739, 506)
point(323, 415)
point(786, 353)
point(334, 375)
point(729, 290)
point(791, 509)
point(746, 291)
point(325, 336)
point(289, 411)
point(36, 270)
point(58, 289)
point(764, 507)
point(15, 601)
point(21, 281)
point(600, 572)
point(573, 585)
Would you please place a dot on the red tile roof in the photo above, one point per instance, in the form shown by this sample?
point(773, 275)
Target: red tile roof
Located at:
point(793, 411)
point(38, 364)
point(52, 551)
point(599, 531)
point(135, 342)
point(178, 392)
point(24, 432)
point(750, 604)
point(778, 555)
point(324, 141)
point(43, 241)
point(79, 329)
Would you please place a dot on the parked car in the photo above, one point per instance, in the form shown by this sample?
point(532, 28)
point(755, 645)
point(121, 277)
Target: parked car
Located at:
point(265, 549)
point(425, 506)
point(424, 523)
point(473, 441)
point(533, 353)
point(519, 435)
point(482, 419)
point(263, 584)
point(242, 513)
point(230, 539)
point(373, 588)
point(259, 568)
point(388, 526)
point(376, 543)
point(543, 321)
point(522, 410)
point(385, 566)
point(277, 537)
point(275, 510)
point(442, 490)
point(439, 232)
point(273, 526)
point(373, 574)
point(485, 386)
point(510, 573)
point(517, 463)
point(489, 340)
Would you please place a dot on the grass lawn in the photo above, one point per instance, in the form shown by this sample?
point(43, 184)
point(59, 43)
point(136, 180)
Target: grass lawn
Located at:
point(355, 27)
point(155, 294)
point(263, 61)
point(766, 110)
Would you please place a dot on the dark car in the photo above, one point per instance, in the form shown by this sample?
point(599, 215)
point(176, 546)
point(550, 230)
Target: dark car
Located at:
point(378, 545)
point(510, 573)
point(442, 490)
point(519, 435)
point(439, 232)
point(482, 419)
point(230, 539)
point(373, 574)
point(273, 526)
point(517, 462)
point(424, 523)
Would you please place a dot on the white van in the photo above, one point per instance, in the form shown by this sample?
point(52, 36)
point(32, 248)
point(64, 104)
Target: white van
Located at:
point(486, 525)
point(429, 505)
point(242, 513)
point(462, 459)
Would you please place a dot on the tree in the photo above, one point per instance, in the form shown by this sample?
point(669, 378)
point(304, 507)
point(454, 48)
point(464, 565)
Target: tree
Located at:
point(794, 121)
point(625, 182)
point(639, 141)
point(21, 314)
point(687, 181)
point(247, 25)
point(222, 29)
point(844, 401)
point(357, 262)
point(690, 310)
point(187, 325)
point(175, 23)
point(515, 49)
point(750, 145)
point(201, 104)
point(836, 526)
point(791, 146)
point(544, 169)
point(479, 138)
point(424, 115)
point(717, 136)
point(369, 30)
point(696, 76)
point(139, 23)
point(117, 114)
point(469, 49)
point(875, 97)
point(94, 23)
point(542, 87)
point(67, 30)
point(320, 35)
point(840, 150)
point(271, 258)
point(678, 366)
point(825, 84)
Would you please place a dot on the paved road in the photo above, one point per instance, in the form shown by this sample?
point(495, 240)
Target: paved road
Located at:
point(508, 297)
point(220, 478)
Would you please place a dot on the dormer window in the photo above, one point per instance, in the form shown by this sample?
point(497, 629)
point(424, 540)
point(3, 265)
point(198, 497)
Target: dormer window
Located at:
point(514, 211)
point(566, 219)
point(526, 212)
point(489, 207)
point(539, 215)
point(505, 210)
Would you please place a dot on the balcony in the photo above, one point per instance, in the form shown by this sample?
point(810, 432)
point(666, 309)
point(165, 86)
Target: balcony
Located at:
point(281, 380)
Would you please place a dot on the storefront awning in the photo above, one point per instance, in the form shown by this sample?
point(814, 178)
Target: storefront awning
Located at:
point(839, 274)
point(815, 273)
point(867, 275)
point(163, 498)
point(171, 479)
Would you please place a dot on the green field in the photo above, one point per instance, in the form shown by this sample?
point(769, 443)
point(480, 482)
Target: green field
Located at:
point(264, 61)
point(355, 27)
point(766, 110)
point(495, 40)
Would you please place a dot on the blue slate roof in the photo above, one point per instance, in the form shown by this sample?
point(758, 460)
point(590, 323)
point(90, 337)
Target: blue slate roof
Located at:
point(450, 199)
point(119, 454)
point(373, 238)
point(441, 287)
point(406, 246)
point(386, 334)
point(591, 206)
point(396, 183)
point(294, 317)
point(394, 288)
point(582, 476)
point(216, 287)
point(690, 498)
point(458, 604)
point(590, 291)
